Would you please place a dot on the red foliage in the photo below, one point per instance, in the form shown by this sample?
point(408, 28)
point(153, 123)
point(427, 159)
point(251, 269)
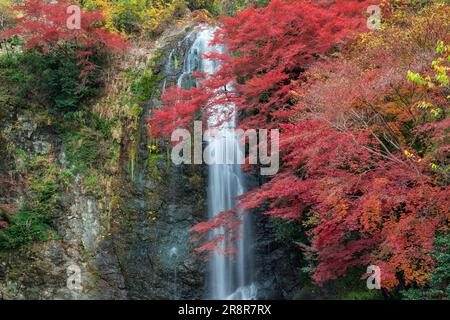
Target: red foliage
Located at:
point(183, 106)
point(43, 24)
point(361, 208)
point(274, 46)
point(227, 225)
point(269, 47)
point(349, 171)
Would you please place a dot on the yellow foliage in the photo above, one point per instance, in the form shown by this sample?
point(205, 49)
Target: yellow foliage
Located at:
point(138, 16)
point(4, 14)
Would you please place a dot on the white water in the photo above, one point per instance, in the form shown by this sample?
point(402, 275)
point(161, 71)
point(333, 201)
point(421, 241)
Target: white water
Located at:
point(229, 278)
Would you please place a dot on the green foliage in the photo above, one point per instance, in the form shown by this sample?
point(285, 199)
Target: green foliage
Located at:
point(209, 5)
point(87, 142)
point(354, 287)
point(142, 18)
point(138, 17)
point(84, 150)
point(44, 184)
point(439, 285)
point(145, 81)
point(31, 222)
point(93, 185)
point(65, 178)
point(143, 87)
point(363, 295)
point(101, 124)
point(351, 287)
point(26, 226)
point(128, 16)
point(91, 181)
point(52, 79)
point(224, 7)
point(415, 77)
point(289, 232)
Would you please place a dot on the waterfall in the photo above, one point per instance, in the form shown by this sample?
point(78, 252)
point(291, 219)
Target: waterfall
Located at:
point(229, 277)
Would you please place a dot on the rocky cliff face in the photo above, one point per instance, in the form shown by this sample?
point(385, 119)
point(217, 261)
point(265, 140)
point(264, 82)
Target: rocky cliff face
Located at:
point(157, 208)
point(40, 270)
point(123, 235)
point(277, 264)
point(119, 230)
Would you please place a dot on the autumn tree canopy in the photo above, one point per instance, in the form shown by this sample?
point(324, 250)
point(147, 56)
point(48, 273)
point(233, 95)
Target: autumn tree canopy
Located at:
point(363, 138)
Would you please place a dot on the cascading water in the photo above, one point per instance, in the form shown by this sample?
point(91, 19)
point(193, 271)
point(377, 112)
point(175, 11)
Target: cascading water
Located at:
point(229, 278)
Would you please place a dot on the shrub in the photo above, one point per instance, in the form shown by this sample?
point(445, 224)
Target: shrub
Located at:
point(439, 285)
point(26, 226)
point(50, 80)
point(138, 17)
point(83, 150)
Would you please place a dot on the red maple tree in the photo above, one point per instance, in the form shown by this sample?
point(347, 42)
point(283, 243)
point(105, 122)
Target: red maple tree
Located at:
point(44, 25)
point(349, 126)
point(268, 50)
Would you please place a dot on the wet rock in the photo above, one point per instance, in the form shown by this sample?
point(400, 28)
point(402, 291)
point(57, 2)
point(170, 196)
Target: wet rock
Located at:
point(27, 124)
point(42, 147)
